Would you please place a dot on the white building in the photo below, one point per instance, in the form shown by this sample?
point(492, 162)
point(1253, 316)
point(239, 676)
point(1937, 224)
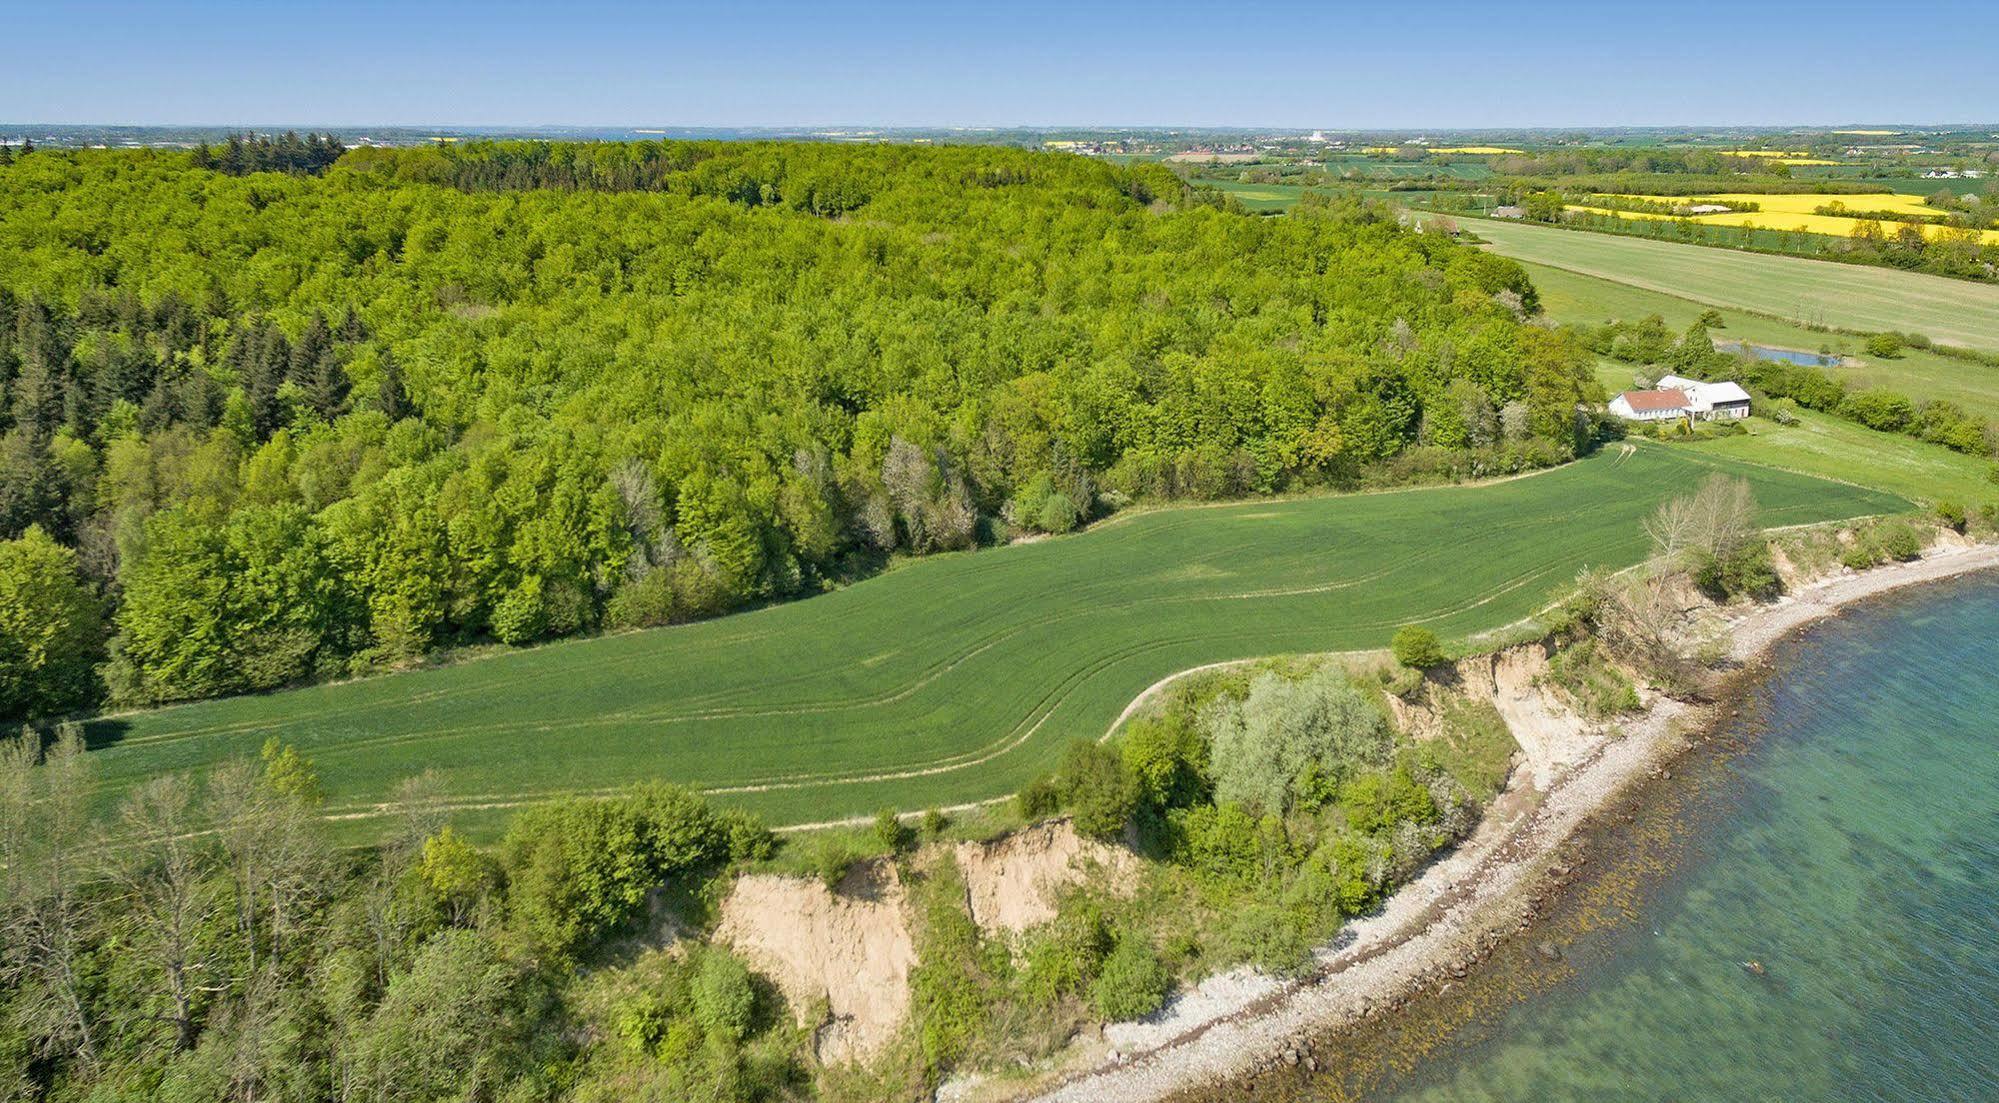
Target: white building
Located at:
point(1710, 401)
point(1655, 405)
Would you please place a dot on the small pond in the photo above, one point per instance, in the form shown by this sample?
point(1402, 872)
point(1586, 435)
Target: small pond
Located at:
point(1789, 356)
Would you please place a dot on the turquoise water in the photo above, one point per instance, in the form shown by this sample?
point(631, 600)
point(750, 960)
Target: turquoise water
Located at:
point(1850, 845)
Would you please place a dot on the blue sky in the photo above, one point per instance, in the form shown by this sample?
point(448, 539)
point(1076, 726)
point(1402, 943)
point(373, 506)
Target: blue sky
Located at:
point(1255, 63)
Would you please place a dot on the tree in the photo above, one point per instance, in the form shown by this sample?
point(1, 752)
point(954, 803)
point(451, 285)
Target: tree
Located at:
point(45, 916)
point(171, 902)
point(1166, 760)
point(253, 604)
point(316, 370)
point(455, 1026)
point(51, 629)
point(577, 869)
point(391, 398)
point(1265, 743)
point(1712, 523)
point(278, 860)
point(457, 872)
point(291, 774)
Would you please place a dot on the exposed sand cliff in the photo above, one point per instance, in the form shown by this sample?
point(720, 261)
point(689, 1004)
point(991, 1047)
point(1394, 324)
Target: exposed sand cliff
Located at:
point(844, 954)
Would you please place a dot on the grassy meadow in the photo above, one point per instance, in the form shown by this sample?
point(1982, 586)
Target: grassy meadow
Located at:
point(1571, 297)
point(955, 678)
point(1821, 444)
point(1810, 291)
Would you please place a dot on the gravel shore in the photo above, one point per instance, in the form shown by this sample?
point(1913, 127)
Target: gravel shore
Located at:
point(1438, 926)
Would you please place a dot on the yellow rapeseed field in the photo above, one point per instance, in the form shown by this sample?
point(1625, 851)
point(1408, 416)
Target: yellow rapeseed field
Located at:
point(1800, 157)
point(1792, 212)
point(1484, 151)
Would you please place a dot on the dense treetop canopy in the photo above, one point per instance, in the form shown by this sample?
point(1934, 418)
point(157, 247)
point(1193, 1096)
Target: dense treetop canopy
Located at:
point(297, 423)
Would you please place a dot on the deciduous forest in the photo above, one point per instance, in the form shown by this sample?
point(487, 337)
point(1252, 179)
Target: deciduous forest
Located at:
point(258, 428)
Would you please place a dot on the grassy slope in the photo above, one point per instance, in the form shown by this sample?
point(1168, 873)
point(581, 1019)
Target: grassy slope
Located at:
point(1823, 292)
point(1569, 297)
point(1824, 445)
point(965, 674)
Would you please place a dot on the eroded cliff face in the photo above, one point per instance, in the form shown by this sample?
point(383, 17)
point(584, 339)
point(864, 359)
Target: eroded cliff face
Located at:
point(1014, 882)
point(843, 956)
point(1552, 734)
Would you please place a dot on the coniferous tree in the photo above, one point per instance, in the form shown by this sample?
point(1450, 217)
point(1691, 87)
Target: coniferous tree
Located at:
point(352, 329)
point(40, 391)
point(326, 387)
point(261, 357)
point(391, 398)
point(316, 370)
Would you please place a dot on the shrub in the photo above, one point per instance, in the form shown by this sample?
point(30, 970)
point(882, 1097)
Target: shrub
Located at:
point(1885, 345)
point(1952, 515)
point(946, 987)
point(724, 1000)
point(1057, 513)
point(1166, 760)
point(1417, 647)
point(1748, 571)
point(748, 839)
point(579, 868)
point(1271, 937)
point(1261, 745)
point(1038, 799)
point(1096, 789)
point(1133, 983)
point(832, 853)
point(1066, 957)
point(521, 616)
point(1898, 540)
point(1221, 841)
point(1375, 801)
point(889, 831)
point(934, 823)
point(1886, 411)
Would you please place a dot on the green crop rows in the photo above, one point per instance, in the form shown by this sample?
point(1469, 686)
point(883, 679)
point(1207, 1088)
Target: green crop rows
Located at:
point(955, 678)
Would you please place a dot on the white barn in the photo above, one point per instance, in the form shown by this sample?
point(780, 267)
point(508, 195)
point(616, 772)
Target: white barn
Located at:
point(1722, 401)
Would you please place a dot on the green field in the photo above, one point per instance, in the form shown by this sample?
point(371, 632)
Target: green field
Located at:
point(1848, 296)
point(1261, 197)
point(1570, 297)
point(1821, 444)
point(954, 678)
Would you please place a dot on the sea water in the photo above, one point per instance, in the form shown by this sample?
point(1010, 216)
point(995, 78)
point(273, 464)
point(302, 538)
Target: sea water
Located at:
point(1828, 928)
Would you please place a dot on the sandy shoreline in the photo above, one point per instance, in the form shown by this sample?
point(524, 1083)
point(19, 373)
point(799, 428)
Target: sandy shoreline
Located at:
point(1439, 925)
